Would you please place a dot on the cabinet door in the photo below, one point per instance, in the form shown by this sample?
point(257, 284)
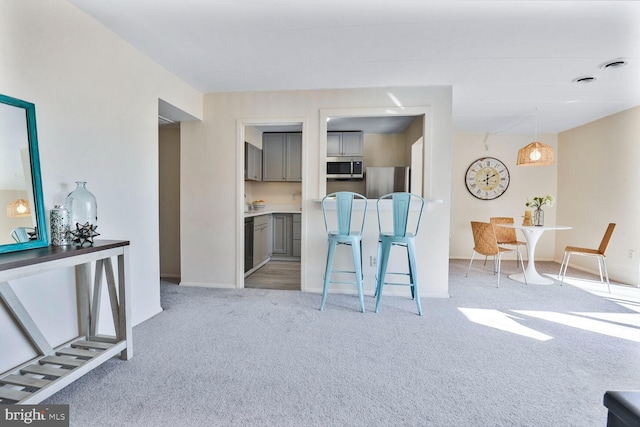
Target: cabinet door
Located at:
point(334, 144)
point(281, 234)
point(296, 235)
point(352, 144)
point(252, 162)
point(268, 238)
point(274, 156)
point(257, 161)
point(257, 245)
point(294, 157)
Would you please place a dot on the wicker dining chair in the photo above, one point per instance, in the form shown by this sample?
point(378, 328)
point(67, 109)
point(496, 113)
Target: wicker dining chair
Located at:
point(506, 235)
point(598, 253)
point(485, 243)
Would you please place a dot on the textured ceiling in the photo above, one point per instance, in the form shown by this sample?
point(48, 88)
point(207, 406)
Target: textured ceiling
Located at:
point(507, 61)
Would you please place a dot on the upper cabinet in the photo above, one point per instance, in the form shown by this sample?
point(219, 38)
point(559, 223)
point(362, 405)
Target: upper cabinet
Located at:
point(252, 162)
point(282, 157)
point(344, 144)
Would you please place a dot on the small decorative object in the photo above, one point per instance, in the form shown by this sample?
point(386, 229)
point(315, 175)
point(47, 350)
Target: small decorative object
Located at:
point(538, 213)
point(60, 226)
point(84, 234)
point(258, 204)
point(527, 219)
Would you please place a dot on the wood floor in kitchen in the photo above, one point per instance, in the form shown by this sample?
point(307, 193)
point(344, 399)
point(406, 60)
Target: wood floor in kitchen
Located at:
point(283, 275)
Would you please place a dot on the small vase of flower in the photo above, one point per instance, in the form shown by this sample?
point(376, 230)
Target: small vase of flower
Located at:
point(538, 213)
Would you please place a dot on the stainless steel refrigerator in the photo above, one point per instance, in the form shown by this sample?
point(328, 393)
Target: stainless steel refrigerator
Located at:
point(381, 180)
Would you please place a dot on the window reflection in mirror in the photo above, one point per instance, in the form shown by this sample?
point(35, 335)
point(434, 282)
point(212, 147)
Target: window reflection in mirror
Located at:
point(22, 222)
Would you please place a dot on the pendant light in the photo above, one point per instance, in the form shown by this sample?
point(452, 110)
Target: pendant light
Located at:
point(18, 209)
point(535, 153)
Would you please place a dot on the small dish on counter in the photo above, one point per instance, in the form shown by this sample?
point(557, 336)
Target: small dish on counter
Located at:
point(258, 205)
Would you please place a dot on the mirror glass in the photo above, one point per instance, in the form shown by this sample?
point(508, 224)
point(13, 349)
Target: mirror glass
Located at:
point(22, 219)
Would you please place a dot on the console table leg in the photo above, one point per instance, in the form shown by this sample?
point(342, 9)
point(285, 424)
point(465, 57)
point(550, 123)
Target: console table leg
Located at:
point(83, 283)
point(125, 330)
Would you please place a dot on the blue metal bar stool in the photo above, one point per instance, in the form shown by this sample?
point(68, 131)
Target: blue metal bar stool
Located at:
point(343, 236)
point(401, 206)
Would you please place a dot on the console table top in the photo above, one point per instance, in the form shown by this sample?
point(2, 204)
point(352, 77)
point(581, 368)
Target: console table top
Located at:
point(50, 253)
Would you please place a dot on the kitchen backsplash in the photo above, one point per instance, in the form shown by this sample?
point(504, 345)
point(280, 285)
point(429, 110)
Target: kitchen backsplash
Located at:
point(279, 194)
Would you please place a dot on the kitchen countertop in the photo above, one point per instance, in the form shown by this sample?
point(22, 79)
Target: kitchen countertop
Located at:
point(275, 210)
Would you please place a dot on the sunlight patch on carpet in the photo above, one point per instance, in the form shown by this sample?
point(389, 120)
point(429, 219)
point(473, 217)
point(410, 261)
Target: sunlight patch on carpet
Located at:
point(587, 324)
point(502, 321)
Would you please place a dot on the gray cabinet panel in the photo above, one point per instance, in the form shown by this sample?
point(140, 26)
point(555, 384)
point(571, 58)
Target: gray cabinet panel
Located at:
point(261, 239)
point(296, 235)
point(252, 162)
point(286, 236)
point(294, 157)
point(274, 157)
point(344, 144)
point(352, 144)
point(281, 234)
point(282, 157)
point(334, 144)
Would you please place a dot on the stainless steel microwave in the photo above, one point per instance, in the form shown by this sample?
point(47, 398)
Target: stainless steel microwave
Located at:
point(345, 168)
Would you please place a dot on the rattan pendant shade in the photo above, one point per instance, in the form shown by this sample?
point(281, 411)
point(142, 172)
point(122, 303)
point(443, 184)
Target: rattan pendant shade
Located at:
point(18, 209)
point(535, 154)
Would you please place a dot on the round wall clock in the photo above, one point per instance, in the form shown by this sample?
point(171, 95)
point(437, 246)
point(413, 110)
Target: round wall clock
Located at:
point(487, 178)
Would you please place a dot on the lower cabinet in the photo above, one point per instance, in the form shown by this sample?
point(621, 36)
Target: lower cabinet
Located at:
point(297, 235)
point(286, 236)
point(261, 239)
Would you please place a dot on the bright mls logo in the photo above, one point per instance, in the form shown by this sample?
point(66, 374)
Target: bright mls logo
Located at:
point(35, 415)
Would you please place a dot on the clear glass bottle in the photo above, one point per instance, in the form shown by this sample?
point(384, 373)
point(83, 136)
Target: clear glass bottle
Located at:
point(538, 217)
point(82, 206)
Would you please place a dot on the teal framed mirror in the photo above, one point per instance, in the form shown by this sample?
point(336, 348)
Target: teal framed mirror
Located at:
point(23, 224)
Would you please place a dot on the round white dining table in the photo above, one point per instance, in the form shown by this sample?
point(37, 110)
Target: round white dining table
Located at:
point(532, 234)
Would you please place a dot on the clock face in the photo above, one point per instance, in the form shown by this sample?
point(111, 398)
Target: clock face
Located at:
point(487, 178)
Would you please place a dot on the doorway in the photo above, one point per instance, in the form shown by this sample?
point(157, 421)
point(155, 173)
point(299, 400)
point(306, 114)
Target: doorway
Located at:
point(271, 194)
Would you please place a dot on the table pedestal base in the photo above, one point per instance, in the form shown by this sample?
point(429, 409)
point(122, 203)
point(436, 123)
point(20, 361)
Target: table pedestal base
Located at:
point(532, 279)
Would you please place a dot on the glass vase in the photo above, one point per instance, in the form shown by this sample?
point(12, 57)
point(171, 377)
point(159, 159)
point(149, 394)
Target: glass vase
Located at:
point(538, 217)
point(82, 206)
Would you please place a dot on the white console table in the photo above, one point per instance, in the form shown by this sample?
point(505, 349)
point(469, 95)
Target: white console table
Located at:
point(55, 368)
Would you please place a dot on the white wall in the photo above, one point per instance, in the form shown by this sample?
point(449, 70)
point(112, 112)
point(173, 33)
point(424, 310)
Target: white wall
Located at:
point(96, 102)
point(598, 183)
point(526, 182)
point(212, 212)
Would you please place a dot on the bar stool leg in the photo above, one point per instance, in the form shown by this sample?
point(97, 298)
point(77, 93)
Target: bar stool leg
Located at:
point(378, 263)
point(413, 274)
point(327, 272)
point(357, 263)
point(385, 247)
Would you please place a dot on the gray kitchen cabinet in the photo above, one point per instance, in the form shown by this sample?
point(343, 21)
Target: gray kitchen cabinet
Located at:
point(345, 144)
point(282, 157)
point(261, 239)
point(252, 162)
point(282, 228)
point(294, 157)
point(286, 236)
point(297, 235)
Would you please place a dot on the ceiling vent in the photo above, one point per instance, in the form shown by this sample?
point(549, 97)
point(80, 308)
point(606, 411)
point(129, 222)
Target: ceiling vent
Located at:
point(616, 63)
point(584, 79)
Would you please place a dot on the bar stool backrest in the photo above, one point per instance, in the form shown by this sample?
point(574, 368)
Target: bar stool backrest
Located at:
point(344, 210)
point(401, 203)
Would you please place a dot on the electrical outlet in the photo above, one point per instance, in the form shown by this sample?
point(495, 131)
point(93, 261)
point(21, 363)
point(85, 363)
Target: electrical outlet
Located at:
point(631, 254)
point(372, 261)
